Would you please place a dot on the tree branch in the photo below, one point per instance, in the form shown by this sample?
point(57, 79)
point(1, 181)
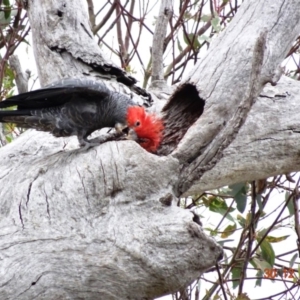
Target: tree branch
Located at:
point(129, 25)
point(223, 86)
point(214, 151)
point(257, 150)
point(165, 13)
point(91, 13)
point(21, 77)
point(96, 28)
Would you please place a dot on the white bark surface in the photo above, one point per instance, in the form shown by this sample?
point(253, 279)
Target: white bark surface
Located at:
point(230, 78)
point(157, 76)
point(89, 225)
point(266, 145)
point(62, 40)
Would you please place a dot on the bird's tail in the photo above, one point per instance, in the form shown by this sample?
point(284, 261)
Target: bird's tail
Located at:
point(8, 116)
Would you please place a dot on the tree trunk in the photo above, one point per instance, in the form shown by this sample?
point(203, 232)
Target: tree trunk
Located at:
point(98, 224)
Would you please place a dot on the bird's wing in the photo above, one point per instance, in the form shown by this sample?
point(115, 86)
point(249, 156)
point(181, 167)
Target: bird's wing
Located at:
point(58, 94)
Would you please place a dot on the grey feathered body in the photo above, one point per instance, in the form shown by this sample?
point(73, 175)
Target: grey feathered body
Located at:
point(68, 107)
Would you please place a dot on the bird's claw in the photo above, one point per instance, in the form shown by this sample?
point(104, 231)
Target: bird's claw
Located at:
point(87, 144)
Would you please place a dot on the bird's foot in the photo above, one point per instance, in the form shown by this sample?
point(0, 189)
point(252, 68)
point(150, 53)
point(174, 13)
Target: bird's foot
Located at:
point(86, 144)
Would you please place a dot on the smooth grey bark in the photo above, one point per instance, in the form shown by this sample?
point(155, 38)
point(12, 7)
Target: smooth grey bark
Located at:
point(21, 77)
point(3, 141)
point(90, 224)
point(157, 76)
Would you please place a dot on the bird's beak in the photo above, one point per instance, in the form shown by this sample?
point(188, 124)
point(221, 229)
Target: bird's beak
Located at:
point(131, 135)
point(121, 128)
point(127, 132)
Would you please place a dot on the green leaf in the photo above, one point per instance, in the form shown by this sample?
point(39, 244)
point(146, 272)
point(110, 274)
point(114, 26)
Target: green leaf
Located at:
point(4, 20)
point(187, 16)
point(262, 232)
point(290, 204)
point(191, 38)
point(267, 252)
point(292, 261)
point(229, 230)
point(214, 203)
point(222, 243)
point(228, 216)
point(206, 18)
point(218, 205)
point(211, 231)
point(224, 2)
point(239, 194)
point(222, 212)
point(236, 274)
point(7, 12)
point(241, 220)
point(273, 239)
point(241, 202)
point(215, 22)
point(259, 203)
point(8, 80)
point(281, 273)
point(8, 139)
point(179, 45)
point(204, 38)
point(243, 296)
point(259, 276)
point(234, 189)
point(260, 264)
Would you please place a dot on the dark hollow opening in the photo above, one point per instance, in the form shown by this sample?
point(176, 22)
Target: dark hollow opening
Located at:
point(182, 110)
point(59, 13)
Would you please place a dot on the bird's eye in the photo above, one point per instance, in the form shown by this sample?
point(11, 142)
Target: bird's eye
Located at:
point(137, 123)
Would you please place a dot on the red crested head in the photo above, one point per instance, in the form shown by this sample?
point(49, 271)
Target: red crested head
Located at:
point(148, 127)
